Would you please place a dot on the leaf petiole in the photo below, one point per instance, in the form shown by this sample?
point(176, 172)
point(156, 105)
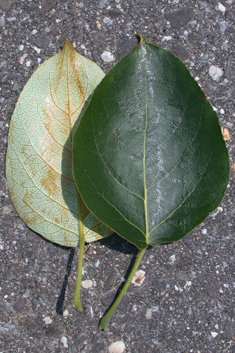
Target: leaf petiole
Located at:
point(105, 319)
point(77, 294)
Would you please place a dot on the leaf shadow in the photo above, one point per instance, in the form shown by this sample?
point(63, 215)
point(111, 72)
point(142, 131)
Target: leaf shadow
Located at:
point(67, 181)
point(60, 300)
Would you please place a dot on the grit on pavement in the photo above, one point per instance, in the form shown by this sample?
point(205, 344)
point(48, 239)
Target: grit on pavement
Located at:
point(186, 302)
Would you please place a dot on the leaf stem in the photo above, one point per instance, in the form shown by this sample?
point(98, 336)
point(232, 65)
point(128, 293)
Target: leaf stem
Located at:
point(77, 294)
point(105, 319)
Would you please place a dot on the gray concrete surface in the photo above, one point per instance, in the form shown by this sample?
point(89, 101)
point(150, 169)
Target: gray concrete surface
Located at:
point(188, 293)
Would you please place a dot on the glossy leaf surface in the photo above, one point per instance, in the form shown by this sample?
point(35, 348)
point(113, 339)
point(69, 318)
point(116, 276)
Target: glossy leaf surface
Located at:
point(39, 158)
point(149, 157)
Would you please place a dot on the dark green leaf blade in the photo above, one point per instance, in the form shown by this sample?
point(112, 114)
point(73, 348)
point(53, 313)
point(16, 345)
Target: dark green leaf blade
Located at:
point(149, 158)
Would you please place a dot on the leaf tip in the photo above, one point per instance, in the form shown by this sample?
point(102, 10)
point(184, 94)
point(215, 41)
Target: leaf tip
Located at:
point(141, 39)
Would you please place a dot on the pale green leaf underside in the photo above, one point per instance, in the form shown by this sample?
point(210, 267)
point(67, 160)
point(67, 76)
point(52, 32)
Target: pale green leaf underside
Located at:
point(39, 158)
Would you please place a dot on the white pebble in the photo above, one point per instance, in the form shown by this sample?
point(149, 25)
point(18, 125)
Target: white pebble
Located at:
point(28, 63)
point(21, 61)
point(117, 347)
point(65, 313)
point(172, 259)
point(215, 72)
point(221, 7)
point(64, 341)
point(38, 50)
point(167, 38)
point(34, 31)
point(97, 263)
point(107, 21)
point(107, 57)
point(138, 278)
point(87, 284)
point(214, 334)
point(21, 47)
point(204, 231)
point(221, 111)
point(148, 314)
point(47, 320)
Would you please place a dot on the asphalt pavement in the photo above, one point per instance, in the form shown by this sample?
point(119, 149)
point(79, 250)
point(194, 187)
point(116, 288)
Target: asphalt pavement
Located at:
point(186, 302)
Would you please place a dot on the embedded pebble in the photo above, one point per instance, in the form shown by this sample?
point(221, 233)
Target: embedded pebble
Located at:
point(65, 313)
point(64, 341)
point(87, 284)
point(214, 334)
point(138, 278)
point(2, 21)
point(215, 72)
point(148, 314)
point(117, 347)
point(224, 46)
point(28, 63)
point(221, 7)
point(102, 4)
point(226, 134)
point(47, 320)
point(172, 259)
point(34, 31)
point(222, 26)
point(107, 56)
point(204, 231)
point(107, 21)
point(167, 38)
point(21, 47)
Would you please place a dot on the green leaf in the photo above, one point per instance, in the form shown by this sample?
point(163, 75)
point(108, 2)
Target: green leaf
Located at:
point(149, 158)
point(39, 158)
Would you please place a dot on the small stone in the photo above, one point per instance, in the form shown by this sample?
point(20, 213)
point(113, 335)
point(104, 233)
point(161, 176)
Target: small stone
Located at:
point(107, 21)
point(5, 4)
point(172, 259)
point(224, 46)
point(34, 31)
point(42, 41)
point(55, 31)
point(21, 47)
point(21, 61)
point(28, 63)
point(214, 334)
point(202, 5)
point(15, 87)
point(167, 38)
point(204, 231)
point(215, 72)
point(179, 18)
point(38, 50)
point(148, 314)
point(107, 57)
point(226, 134)
point(2, 21)
point(154, 309)
point(87, 284)
point(221, 7)
point(47, 320)
point(47, 6)
point(117, 347)
point(222, 26)
point(64, 341)
point(221, 111)
point(138, 278)
point(47, 30)
point(65, 313)
point(81, 5)
point(102, 4)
